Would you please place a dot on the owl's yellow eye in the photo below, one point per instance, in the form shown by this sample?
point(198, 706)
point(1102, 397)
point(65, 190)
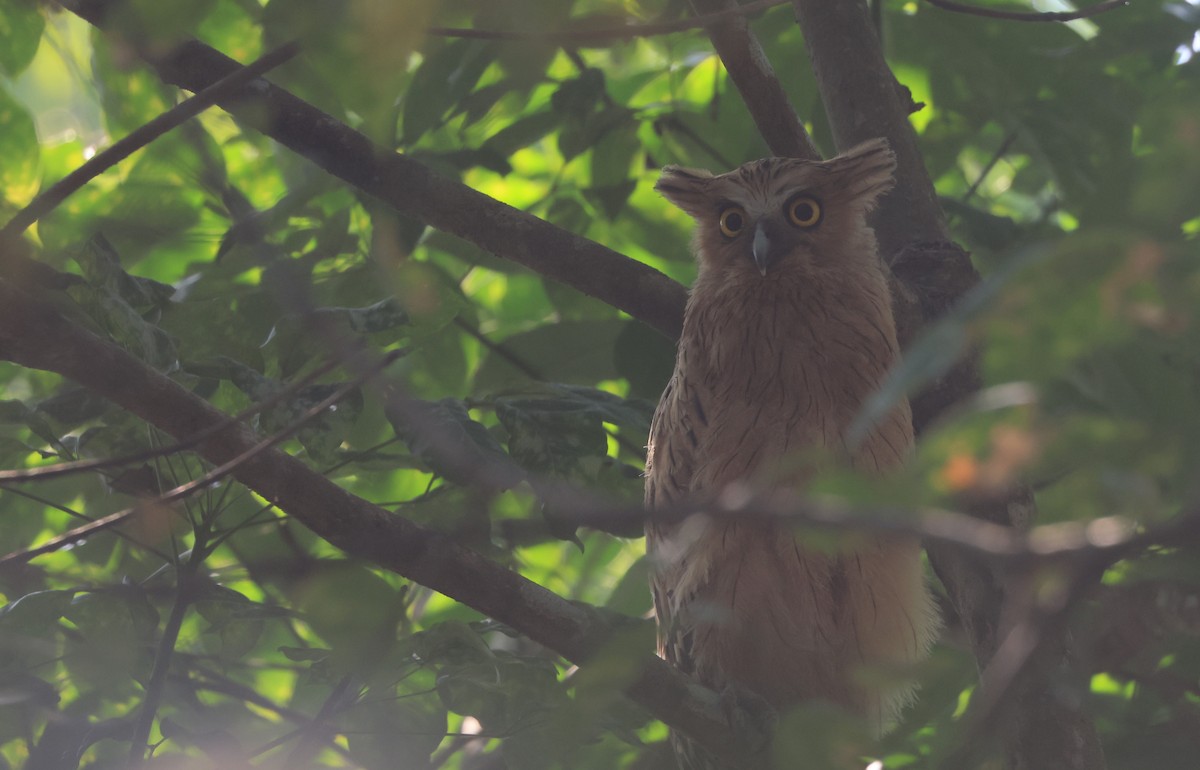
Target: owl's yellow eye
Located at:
point(804, 211)
point(732, 220)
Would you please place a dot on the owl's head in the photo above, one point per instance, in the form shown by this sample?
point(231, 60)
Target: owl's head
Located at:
point(779, 215)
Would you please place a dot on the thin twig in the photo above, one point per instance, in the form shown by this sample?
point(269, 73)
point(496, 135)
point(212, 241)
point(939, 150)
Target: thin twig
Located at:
point(156, 685)
point(311, 735)
point(76, 514)
point(1040, 624)
point(994, 13)
point(46, 472)
point(213, 682)
point(216, 474)
point(1107, 535)
point(142, 136)
point(602, 35)
point(1001, 151)
point(761, 90)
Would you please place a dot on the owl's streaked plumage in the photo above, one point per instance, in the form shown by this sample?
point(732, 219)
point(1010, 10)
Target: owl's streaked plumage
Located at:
point(788, 330)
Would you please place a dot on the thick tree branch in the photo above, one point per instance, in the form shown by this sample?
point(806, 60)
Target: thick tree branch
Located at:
point(410, 187)
point(864, 100)
point(35, 335)
point(762, 92)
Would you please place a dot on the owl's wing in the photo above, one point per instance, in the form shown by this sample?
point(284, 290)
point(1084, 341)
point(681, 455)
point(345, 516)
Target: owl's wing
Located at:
point(671, 459)
point(669, 451)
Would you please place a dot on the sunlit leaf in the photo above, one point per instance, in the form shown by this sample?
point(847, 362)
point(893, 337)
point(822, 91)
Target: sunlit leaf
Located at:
point(19, 148)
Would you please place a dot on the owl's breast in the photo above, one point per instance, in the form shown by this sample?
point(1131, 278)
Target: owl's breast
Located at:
point(782, 370)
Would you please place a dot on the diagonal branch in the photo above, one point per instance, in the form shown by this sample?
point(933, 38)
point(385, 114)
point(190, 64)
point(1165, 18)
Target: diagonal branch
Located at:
point(144, 135)
point(761, 90)
point(410, 187)
point(863, 99)
point(34, 334)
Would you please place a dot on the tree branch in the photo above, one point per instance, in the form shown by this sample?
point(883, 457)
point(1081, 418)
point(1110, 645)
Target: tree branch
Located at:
point(34, 334)
point(864, 100)
point(142, 136)
point(1059, 16)
point(189, 488)
point(761, 90)
point(410, 187)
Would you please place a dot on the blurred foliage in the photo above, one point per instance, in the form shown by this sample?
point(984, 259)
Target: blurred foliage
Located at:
point(1068, 159)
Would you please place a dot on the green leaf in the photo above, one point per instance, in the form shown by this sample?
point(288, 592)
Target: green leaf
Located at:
point(304, 654)
point(820, 736)
point(292, 339)
point(21, 25)
point(129, 96)
point(27, 699)
point(36, 611)
point(452, 509)
point(73, 406)
point(612, 198)
point(19, 148)
point(613, 157)
point(577, 98)
point(445, 437)
point(322, 435)
point(550, 436)
point(19, 413)
point(452, 643)
point(156, 24)
point(523, 132)
point(939, 346)
point(386, 733)
point(552, 428)
point(645, 358)
point(235, 623)
point(116, 302)
point(577, 352)
point(630, 596)
point(505, 694)
point(116, 633)
point(443, 79)
point(101, 267)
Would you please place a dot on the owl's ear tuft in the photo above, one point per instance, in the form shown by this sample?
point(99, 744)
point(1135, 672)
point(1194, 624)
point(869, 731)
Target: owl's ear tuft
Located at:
point(865, 171)
point(687, 188)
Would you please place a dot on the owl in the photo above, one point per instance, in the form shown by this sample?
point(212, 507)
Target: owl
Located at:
point(788, 330)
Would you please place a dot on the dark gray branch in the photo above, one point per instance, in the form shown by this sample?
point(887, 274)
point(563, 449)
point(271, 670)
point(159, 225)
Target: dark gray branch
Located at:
point(864, 100)
point(761, 90)
point(35, 335)
point(410, 187)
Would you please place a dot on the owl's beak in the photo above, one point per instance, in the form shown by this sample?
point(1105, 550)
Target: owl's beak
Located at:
point(764, 255)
